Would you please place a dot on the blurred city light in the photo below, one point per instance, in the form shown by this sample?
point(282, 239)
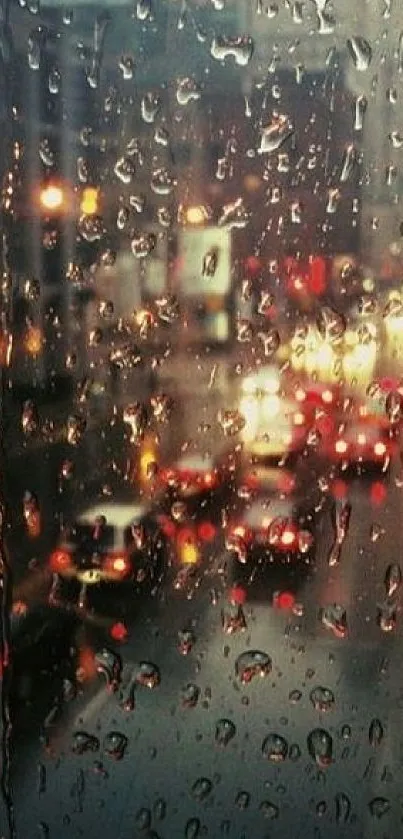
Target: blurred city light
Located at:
point(52, 197)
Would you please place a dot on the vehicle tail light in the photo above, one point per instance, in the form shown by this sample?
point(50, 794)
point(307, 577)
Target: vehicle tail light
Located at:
point(119, 631)
point(288, 537)
point(60, 560)
point(341, 447)
point(206, 531)
point(210, 479)
point(379, 449)
point(283, 600)
point(167, 526)
point(327, 396)
point(118, 563)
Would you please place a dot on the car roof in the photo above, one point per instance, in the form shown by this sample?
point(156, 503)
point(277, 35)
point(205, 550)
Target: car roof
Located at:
point(195, 462)
point(266, 509)
point(117, 515)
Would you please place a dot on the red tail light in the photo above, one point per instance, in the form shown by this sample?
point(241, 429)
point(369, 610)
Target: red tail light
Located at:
point(210, 480)
point(118, 563)
point(288, 537)
point(167, 526)
point(60, 560)
point(206, 531)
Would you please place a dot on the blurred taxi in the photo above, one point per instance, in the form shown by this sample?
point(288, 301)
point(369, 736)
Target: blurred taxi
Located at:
point(114, 545)
point(362, 442)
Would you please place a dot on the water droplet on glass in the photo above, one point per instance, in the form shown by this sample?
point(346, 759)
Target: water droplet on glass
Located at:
point(361, 52)
point(54, 80)
point(36, 42)
point(109, 665)
point(322, 699)
point(115, 744)
point(124, 170)
point(334, 617)
point(393, 579)
point(187, 91)
point(343, 808)
point(201, 789)
point(242, 800)
point(76, 426)
point(29, 417)
point(126, 66)
point(225, 730)
point(320, 746)
point(233, 617)
point(275, 134)
point(269, 810)
point(190, 695)
point(295, 696)
point(192, 829)
point(186, 640)
point(231, 421)
point(142, 818)
point(252, 663)
point(375, 733)
point(84, 742)
point(275, 747)
point(91, 227)
point(234, 215)
point(162, 183)
point(45, 153)
point(378, 807)
point(239, 48)
point(348, 163)
point(148, 675)
point(331, 325)
point(150, 105)
point(142, 244)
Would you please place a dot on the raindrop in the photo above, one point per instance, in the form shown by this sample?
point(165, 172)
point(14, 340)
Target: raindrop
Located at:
point(343, 808)
point(275, 748)
point(148, 675)
point(275, 134)
point(126, 66)
point(150, 105)
point(186, 640)
point(161, 182)
point(201, 789)
point(210, 262)
point(115, 744)
point(295, 696)
point(233, 617)
point(378, 807)
point(269, 810)
point(76, 426)
point(46, 154)
point(187, 91)
point(36, 41)
point(294, 752)
point(239, 48)
point(143, 818)
point(320, 746)
point(387, 616)
point(54, 81)
point(348, 163)
point(225, 730)
point(231, 421)
point(234, 215)
point(242, 800)
point(375, 734)
point(167, 307)
point(124, 169)
point(396, 139)
point(164, 217)
point(109, 664)
point(190, 695)
point(91, 227)
point(41, 778)
point(393, 579)
point(192, 829)
point(361, 52)
point(29, 417)
point(252, 663)
point(331, 325)
point(82, 170)
point(244, 330)
point(84, 742)
point(322, 699)
point(334, 617)
point(142, 244)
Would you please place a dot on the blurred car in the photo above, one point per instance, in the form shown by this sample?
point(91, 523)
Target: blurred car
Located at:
point(192, 479)
point(361, 443)
point(270, 542)
point(44, 652)
point(322, 404)
point(276, 427)
point(110, 545)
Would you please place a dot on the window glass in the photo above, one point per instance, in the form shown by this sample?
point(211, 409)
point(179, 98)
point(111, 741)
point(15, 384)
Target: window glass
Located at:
point(201, 311)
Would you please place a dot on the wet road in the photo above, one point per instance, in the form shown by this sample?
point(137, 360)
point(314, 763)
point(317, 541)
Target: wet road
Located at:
point(177, 778)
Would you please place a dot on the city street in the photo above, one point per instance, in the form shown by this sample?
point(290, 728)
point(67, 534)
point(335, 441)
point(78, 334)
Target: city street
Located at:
point(201, 719)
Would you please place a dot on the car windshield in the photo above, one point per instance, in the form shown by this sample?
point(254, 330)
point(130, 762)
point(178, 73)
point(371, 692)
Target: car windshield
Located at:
point(201, 330)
